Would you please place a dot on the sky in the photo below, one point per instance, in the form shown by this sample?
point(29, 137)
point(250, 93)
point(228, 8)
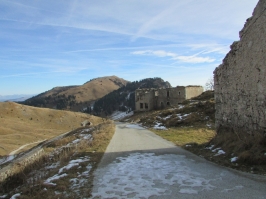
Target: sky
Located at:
point(48, 43)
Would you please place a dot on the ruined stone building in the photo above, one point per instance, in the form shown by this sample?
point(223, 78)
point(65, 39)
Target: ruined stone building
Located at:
point(240, 81)
point(150, 99)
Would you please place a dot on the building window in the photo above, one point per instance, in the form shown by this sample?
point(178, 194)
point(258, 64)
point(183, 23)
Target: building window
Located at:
point(141, 105)
point(156, 93)
point(179, 93)
point(168, 93)
point(168, 103)
point(146, 106)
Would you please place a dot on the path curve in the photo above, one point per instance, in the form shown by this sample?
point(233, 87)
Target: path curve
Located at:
point(140, 164)
point(23, 146)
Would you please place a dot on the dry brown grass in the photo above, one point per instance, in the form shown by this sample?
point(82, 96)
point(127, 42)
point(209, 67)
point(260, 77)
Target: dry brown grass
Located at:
point(91, 90)
point(36, 189)
point(186, 135)
point(22, 124)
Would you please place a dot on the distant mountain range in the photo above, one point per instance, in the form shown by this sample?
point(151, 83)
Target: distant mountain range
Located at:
point(75, 98)
point(14, 98)
point(99, 96)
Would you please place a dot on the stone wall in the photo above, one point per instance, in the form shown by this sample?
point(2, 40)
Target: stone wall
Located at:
point(240, 81)
point(193, 91)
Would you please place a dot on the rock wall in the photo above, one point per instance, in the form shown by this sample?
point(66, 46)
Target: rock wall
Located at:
point(240, 81)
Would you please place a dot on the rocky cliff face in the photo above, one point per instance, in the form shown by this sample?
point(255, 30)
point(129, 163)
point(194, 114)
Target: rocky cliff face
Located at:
point(240, 81)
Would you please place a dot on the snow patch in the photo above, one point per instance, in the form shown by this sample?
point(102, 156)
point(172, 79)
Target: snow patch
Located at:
point(220, 152)
point(210, 147)
point(53, 178)
point(182, 117)
point(73, 163)
point(15, 196)
point(159, 126)
point(118, 115)
point(234, 159)
point(142, 175)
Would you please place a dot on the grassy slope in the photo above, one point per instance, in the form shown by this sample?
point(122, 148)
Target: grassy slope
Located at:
point(22, 124)
point(89, 91)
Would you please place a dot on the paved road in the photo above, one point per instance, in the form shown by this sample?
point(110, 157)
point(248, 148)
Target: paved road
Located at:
point(140, 164)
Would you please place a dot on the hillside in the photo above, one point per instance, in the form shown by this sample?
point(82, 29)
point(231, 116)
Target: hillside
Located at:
point(22, 124)
point(123, 99)
point(76, 97)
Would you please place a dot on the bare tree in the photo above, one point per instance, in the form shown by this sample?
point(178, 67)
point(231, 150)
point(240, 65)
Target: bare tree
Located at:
point(209, 84)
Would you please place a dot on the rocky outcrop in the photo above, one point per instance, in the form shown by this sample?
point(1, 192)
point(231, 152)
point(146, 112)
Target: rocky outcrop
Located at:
point(240, 81)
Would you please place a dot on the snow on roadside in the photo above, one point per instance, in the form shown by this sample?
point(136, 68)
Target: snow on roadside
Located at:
point(182, 117)
point(234, 159)
point(73, 163)
point(15, 196)
point(50, 180)
point(159, 126)
point(118, 115)
point(220, 152)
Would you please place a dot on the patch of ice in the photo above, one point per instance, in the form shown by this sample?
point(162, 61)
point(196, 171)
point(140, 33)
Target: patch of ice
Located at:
point(210, 147)
point(73, 163)
point(7, 159)
point(220, 152)
point(188, 191)
point(214, 150)
point(180, 106)
point(159, 126)
point(86, 130)
point(234, 159)
point(86, 137)
point(134, 126)
point(167, 117)
point(181, 117)
point(50, 180)
point(82, 179)
point(209, 125)
point(235, 188)
point(15, 196)
point(118, 115)
point(76, 141)
point(142, 175)
point(52, 166)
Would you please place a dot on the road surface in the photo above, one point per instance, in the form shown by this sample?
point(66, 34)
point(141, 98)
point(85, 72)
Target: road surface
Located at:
point(140, 164)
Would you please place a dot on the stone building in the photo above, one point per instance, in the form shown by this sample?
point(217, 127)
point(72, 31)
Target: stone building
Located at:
point(240, 81)
point(150, 99)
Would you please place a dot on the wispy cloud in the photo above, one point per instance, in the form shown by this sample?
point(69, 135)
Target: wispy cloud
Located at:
point(181, 58)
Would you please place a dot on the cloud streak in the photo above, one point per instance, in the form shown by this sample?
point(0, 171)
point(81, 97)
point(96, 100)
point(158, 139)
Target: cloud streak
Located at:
point(181, 58)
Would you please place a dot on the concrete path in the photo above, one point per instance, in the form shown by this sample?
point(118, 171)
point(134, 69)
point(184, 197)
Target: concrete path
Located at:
point(140, 164)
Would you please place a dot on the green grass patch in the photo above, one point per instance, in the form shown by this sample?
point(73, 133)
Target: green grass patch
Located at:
point(186, 135)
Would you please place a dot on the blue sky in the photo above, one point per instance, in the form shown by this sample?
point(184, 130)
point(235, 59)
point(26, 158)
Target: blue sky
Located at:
point(52, 43)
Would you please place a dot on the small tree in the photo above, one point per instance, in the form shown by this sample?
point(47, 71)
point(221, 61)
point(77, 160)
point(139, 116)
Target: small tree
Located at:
point(209, 84)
